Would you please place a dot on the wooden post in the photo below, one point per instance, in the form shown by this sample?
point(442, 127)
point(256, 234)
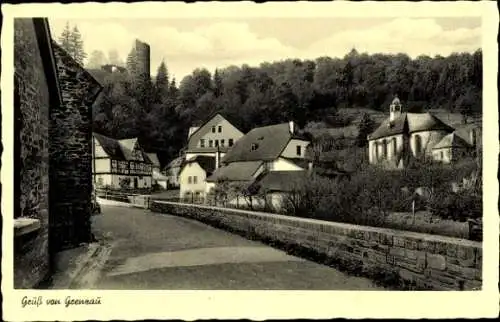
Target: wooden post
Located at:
point(413, 209)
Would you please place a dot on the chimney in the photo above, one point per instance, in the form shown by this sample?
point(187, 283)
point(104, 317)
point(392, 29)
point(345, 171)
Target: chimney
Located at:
point(291, 125)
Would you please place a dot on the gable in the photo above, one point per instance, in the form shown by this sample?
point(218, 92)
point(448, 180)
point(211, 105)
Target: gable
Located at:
point(99, 151)
point(192, 168)
point(205, 131)
point(290, 150)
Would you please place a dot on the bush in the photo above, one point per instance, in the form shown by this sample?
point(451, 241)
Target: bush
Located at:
point(369, 197)
point(457, 206)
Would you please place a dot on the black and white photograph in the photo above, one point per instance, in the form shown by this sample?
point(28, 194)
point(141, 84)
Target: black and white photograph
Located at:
point(219, 152)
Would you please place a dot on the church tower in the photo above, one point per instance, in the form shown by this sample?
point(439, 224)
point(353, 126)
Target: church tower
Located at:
point(395, 109)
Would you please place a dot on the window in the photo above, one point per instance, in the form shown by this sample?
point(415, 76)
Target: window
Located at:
point(210, 143)
point(220, 129)
point(254, 146)
point(394, 147)
point(202, 143)
point(418, 145)
point(216, 142)
point(190, 179)
point(195, 179)
point(213, 129)
point(384, 149)
point(442, 155)
point(222, 142)
point(299, 150)
point(230, 142)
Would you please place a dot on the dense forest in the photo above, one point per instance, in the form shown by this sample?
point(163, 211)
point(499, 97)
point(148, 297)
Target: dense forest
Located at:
point(159, 111)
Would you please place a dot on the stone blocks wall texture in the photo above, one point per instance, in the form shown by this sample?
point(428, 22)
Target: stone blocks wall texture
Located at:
point(31, 258)
point(421, 261)
point(71, 153)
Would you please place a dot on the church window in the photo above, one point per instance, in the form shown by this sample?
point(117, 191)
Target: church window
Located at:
point(418, 145)
point(394, 147)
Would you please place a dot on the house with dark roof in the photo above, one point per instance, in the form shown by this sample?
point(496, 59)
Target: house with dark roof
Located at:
point(403, 136)
point(265, 149)
point(192, 177)
point(216, 136)
point(120, 163)
point(172, 171)
point(451, 148)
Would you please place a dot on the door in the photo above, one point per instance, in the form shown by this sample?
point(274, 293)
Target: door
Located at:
point(136, 183)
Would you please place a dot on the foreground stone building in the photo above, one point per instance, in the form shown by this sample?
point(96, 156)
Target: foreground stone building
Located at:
point(52, 151)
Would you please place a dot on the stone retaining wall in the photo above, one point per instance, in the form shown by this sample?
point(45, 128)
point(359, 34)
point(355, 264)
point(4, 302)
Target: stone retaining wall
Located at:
point(417, 261)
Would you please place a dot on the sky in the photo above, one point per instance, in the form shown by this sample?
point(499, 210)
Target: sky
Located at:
point(186, 43)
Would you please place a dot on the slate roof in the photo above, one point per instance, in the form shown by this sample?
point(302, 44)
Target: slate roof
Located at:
point(110, 146)
point(282, 181)
point(409, 123)
point(154, 159)
point(236, 171)
point(177, 162)
point(205, 162)
point(119, 149)
point(452, 140)
point(464, 131)
point(270, 141)
point(99, 74)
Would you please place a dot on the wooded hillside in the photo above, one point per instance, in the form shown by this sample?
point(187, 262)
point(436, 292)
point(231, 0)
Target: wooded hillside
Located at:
point(160, 111)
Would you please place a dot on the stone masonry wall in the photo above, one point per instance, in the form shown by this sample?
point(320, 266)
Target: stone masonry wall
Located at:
point(71, 154)
point(31, 257)
point(419, 261)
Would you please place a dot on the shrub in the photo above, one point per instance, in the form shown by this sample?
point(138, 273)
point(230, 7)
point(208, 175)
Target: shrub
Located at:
point(457, 206)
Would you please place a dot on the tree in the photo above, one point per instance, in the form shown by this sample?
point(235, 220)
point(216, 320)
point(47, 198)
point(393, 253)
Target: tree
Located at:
point(77, 52)
point(114, 58)
point(365, 128)
point(96, 59)
point(218, 89)
point(161, 82)
point(65, 40)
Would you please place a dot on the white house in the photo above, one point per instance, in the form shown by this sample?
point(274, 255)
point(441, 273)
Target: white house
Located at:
point(217, 134)
point(264, 149)
point(404, 136)
point(120, 163)
point(192, 177)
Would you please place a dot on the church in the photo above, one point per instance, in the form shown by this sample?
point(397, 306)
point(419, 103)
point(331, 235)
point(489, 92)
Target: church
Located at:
point(403, 136)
